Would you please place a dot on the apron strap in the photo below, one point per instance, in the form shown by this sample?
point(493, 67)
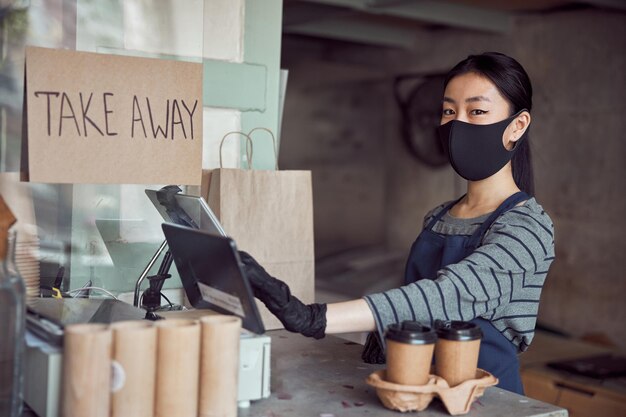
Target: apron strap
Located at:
point(441, 213)
point(506, 205)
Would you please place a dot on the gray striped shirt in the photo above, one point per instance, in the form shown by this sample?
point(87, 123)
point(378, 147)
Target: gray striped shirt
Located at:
point(500, 281)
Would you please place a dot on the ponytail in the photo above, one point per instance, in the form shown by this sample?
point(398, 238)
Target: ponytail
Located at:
point(522, 167)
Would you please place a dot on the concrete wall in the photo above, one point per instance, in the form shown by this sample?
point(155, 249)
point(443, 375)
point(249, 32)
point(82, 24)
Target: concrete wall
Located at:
point(577, 63)
point(324, 130)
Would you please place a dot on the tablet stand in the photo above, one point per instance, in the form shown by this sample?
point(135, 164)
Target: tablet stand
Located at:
point(151, 298)
point(144, 274)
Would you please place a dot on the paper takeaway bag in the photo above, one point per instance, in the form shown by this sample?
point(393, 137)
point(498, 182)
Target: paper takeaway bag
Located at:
point(269, 214)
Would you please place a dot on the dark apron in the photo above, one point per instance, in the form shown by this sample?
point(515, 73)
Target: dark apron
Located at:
point(431, 252)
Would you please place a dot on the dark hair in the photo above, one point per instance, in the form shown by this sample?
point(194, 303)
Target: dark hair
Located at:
point(511, 80)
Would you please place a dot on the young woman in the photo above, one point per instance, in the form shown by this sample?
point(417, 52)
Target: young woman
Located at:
point(481, 258)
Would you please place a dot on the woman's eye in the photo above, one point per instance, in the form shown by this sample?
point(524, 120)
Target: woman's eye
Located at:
point(477, 112)
point(448, 112)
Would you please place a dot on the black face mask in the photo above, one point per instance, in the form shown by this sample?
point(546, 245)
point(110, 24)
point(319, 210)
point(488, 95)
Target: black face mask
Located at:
point(476, 152)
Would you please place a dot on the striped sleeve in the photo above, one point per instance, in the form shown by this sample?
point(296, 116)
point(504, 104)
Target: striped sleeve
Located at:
point(500, 281)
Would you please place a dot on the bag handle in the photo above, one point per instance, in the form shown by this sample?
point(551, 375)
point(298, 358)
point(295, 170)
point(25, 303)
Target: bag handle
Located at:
point(273, 142)
point(249, 148)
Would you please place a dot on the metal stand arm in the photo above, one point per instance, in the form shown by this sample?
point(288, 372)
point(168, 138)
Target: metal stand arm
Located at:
point(145, 272)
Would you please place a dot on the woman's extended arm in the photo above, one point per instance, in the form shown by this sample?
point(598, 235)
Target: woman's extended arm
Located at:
point(500, 281)
point(349, 316)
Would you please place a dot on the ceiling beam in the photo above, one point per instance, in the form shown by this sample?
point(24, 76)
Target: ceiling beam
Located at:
point(611, 4)
point(435, 11)
point(353, 29)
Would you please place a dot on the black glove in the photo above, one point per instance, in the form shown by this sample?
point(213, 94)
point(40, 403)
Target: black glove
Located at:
point(372, 351)
point(308, 320)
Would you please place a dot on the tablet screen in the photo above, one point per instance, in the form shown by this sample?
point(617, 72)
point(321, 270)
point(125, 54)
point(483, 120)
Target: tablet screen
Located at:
point(209, 268)
point(194, 207)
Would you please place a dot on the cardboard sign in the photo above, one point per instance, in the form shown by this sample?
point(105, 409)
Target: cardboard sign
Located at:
point(96, 118)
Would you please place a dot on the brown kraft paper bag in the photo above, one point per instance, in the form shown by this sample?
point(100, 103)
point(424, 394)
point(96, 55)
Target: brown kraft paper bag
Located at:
point(269, 214)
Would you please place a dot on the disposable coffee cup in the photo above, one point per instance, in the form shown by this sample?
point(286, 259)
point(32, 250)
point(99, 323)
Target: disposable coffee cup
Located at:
point(456, 351)
point(410, 349)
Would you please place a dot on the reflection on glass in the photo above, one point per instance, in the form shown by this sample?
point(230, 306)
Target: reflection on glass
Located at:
point(103, 234)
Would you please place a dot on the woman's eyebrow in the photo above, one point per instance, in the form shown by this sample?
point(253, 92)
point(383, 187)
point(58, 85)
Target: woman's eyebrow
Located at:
point(467, 100)
point(477, 98)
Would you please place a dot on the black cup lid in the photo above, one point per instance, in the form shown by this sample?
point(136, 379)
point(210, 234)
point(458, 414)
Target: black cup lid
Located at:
point(411, 332)
point(458, 330)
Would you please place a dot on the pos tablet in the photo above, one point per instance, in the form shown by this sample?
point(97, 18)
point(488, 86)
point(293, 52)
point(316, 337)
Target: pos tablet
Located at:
point(211, 273)
point(191, 207)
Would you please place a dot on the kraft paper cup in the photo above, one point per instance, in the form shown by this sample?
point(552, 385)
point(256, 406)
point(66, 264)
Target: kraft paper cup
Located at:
point(456, 351)
point(86, 370)
point(219, 366)
point(409, 352)
point(134, 358)
point(178, 364)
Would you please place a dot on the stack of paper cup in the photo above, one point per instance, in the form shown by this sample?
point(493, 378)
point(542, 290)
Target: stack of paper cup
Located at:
point(219, 366)
point(86, 370)
point(134, 359)
point(27, 262)
point(18, 197)
point(178, 366)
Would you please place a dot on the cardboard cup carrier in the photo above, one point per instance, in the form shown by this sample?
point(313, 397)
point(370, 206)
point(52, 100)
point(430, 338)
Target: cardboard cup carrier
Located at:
point(406, 384)
point(410, 349)
point(456, 351)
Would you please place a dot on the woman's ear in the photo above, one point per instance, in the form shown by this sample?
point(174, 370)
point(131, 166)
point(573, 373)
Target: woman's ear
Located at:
point(520, 125)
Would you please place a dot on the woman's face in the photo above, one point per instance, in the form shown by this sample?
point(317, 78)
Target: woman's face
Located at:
point(473, 98)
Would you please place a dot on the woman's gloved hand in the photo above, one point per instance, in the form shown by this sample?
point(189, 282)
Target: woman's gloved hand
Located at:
point(372, 351)
point(308, 320)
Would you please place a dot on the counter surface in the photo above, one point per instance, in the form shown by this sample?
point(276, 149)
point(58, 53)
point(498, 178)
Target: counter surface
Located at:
point(327, 378)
